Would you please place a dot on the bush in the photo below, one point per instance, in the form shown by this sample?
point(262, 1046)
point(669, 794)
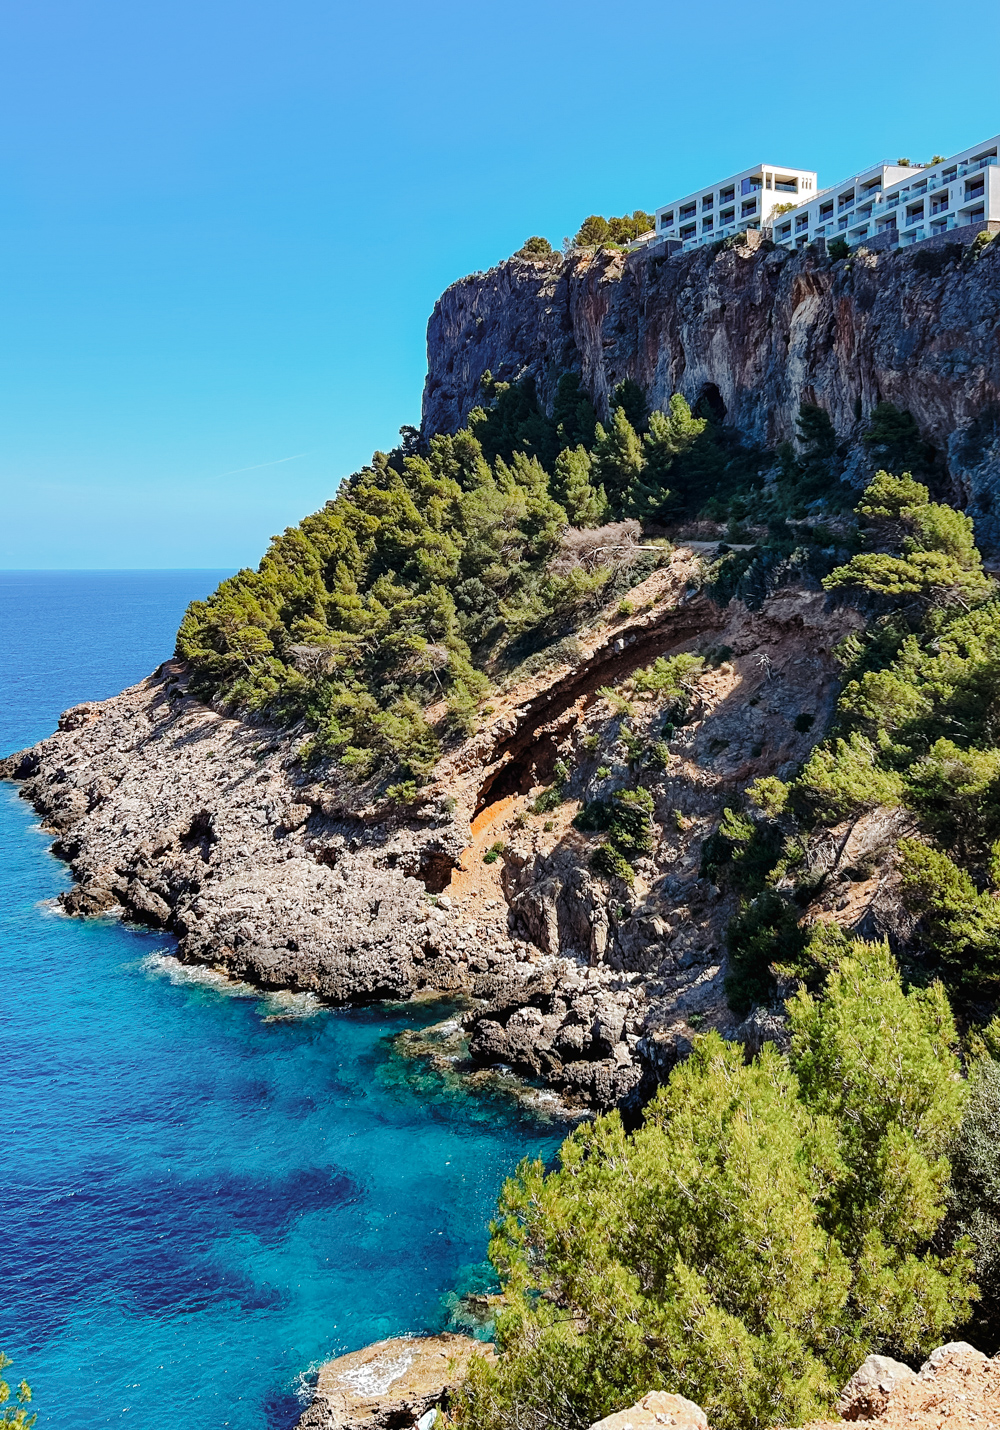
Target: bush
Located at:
point(837, 248)
point(960, 925)
point(843, 779)
point(534, 247)
point(975, 1195)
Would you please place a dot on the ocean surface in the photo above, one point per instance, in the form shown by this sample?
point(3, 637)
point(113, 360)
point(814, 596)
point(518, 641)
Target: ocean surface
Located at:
point(204, 1191)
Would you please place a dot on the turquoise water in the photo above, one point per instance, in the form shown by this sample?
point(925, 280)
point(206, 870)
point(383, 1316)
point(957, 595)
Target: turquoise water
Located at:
point(204, 1191)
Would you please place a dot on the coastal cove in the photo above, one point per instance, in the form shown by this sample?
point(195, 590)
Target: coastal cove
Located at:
point(207, 1190)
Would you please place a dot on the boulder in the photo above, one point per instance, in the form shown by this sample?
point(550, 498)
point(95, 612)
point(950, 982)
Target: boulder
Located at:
point(391, 1384)
point(657, 1408)
point(867, 1392)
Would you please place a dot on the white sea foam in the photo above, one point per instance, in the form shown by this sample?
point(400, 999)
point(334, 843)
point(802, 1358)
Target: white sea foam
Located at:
point(284, 1004)
point(51, 909)
point(167, 965)
point(376, 1376)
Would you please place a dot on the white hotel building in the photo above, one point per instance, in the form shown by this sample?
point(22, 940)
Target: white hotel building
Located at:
point(888, 204)
point(882, 206)
point(745, 200)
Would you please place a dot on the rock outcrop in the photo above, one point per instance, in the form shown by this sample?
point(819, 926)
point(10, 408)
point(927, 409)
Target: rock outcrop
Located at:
point(392, 1384)
point(212, 828)
point(957, 1386)
point(756, 331)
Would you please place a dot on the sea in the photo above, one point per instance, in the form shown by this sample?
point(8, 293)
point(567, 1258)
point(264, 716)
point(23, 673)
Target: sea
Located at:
point(205, 1191)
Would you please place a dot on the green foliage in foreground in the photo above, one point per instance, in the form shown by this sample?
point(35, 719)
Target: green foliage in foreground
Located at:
point(766, 1227)
point(975, 1189)
point(14, 1416)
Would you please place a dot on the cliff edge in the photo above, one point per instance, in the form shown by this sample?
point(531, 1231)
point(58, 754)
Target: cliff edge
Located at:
point(756, 331)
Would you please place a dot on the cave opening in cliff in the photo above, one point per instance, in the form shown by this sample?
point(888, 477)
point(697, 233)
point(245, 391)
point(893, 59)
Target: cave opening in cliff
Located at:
point(710, 403)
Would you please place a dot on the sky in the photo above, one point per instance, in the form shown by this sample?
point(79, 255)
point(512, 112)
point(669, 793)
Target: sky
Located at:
point(223, 225)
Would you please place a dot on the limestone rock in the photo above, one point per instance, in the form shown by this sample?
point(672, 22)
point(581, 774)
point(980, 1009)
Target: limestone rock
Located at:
point(754, 332)
point(867, 1392)
point(390, 1384)
point(659, 1408)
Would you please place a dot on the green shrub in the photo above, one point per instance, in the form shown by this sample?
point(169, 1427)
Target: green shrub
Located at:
point(960, 925)
point(843, 778)
point(493, 852)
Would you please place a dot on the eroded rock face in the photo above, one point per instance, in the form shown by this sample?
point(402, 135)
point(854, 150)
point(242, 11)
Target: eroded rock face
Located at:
point(209, 827)
point(757, 332)
point(391, 1384)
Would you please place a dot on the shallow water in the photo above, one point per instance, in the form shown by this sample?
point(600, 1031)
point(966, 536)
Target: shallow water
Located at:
point(205, 1191)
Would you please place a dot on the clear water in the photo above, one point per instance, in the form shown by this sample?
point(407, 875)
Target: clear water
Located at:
point(204, 1191)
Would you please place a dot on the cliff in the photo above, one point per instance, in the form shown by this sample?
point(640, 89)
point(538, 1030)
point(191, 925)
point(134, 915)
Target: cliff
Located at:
point(755, 330)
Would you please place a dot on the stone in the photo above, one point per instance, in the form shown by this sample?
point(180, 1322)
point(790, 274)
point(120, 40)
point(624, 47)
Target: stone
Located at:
point(659, 1408)
point(391, 1383)
point(867, 1392)
point(793, 323)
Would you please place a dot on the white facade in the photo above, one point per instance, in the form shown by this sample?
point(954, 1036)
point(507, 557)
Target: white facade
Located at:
point(745, 200)
point(893, 204)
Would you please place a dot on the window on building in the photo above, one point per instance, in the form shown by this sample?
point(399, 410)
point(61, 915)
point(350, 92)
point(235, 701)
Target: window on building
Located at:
point(975, 188)
point(785, 230)
point(786, 185)
point(914, 211)
point(688, 210)
point(727, 215)
point(667, 220)
point(707, 202)
point(748, 207)
point(861, 232)
point(706, 225)
point(826, 210)
point(948, 176)
point(726, 196)
point(845, 201)
point(750, 186)
point(768, 180)
point(802, 222)
point(688, 231)
point(977, 215)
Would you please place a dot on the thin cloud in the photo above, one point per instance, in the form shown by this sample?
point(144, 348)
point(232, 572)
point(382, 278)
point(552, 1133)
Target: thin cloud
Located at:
point(257, 465)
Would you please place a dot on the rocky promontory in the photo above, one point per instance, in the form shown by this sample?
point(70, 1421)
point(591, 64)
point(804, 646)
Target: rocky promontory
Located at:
point(216, 828)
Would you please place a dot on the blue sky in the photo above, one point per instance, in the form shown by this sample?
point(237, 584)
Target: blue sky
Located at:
point(223, 225)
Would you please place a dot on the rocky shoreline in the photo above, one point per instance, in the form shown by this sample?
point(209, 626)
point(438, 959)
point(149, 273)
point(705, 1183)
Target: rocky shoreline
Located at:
point(212, 827)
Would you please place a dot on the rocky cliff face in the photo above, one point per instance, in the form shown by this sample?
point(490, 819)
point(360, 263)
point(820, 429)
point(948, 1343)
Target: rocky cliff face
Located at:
point(757, 331)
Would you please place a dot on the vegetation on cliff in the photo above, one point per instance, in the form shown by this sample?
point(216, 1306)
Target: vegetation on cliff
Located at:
point(766, 1226)
point(435, 565)
point(916, 734)
point(441, 564)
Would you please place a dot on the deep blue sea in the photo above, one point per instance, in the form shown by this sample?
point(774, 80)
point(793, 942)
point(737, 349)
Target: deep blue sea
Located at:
point(204, 1191)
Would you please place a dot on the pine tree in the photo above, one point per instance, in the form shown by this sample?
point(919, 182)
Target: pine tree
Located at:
point(619, 460)
point(585, 504)
point(670, 433)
